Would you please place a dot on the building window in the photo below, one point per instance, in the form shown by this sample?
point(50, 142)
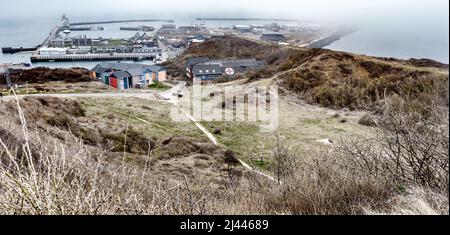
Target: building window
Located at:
point(207, 71)
point(200, 71)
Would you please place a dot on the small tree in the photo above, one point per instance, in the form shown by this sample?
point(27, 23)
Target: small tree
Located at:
point(284, 161)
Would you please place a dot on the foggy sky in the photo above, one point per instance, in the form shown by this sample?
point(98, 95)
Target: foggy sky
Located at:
point(338, 10)
point(405, 28)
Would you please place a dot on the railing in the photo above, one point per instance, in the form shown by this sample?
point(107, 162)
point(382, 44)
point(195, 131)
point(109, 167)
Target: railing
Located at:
point(93, 56)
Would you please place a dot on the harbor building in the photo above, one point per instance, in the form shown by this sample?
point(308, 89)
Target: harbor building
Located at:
point(168, 27)
point(208, 70)
point(243, 28)
point(82, 41)
point(52, 51)
point(57, 41)
point(272, 36)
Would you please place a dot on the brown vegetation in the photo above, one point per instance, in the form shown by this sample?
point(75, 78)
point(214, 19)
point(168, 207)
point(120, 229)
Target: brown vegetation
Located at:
point(81, 164)
point(67, 179)
point(229, 47)
point(329, 78)
point(340, 80)
point(171, 159)
point(44, 75)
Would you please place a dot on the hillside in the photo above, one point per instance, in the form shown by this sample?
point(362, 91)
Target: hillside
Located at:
point(45, 75)
point(329, 78)
point(122, 153)
point(113, 128)
point(230, 47)
point(45, 80)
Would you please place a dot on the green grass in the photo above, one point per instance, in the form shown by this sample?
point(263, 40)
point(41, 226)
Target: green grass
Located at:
point(154, 123)
point(116, 42)
point(244, 139)
point(264, 165)
point(158, 86)
point(20, 91)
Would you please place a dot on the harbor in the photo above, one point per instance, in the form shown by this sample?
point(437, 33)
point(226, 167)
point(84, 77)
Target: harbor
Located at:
point(154, 41)
point(93, 57)
point(59, 46)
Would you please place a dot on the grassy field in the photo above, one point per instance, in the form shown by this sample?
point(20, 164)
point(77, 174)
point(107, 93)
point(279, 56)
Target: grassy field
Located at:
point(116, 42)
point(60, 88)
point(302, 127)
point(151, 117)
point(159, 86)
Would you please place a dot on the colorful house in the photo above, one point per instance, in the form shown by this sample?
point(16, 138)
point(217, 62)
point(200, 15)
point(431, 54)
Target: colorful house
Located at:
point(124, 76)
point(121, 80)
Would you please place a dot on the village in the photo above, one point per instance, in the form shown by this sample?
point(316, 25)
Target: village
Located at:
point(167, 40)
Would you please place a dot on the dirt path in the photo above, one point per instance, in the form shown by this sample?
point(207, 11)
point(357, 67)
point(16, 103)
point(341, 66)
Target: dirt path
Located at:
point(214, 141)
point(166, 96)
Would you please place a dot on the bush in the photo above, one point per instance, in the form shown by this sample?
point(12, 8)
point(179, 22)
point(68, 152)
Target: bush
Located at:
point(130, 141)
point(324, 188)
point(411, 150)
point(158, 85)
point(367, 120)
point(61, 120)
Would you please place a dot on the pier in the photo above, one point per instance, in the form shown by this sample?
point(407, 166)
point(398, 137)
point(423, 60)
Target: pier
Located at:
point(247, 19)
point(93, 57)
point(324, 42)
point(50, 35)
point(82, 28)
point(120, 21)
point(12, 50)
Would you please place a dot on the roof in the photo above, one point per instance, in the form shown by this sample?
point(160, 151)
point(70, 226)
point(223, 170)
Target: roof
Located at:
point(207, 69)
point(135, 71)
point(273, 33)
point(196, 60)
point(272, 36)
point(131, 69)
point(236, 63)
point(218, 66)
point(98, 69)
point(154, 68)
point(121, 74)
point(241, 26)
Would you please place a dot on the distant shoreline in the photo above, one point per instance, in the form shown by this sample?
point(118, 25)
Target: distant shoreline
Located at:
point(328, 41)
point(247, 19)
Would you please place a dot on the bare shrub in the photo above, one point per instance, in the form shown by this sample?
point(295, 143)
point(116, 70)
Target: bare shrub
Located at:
point(404, 170)
point(64, 176)
point(414, 201)
point(367, 120)
point(410, 150)
point(284, 162)
point(324, 187)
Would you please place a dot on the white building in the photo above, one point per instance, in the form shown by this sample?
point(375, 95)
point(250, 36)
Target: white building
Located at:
point(52, 51)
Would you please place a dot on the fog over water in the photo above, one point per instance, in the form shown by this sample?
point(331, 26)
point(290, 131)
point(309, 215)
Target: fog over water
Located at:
point(395, 28)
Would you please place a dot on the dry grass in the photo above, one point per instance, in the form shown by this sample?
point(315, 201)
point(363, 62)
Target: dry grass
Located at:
point(65, 176)
point(331, 79)
point(340, 80)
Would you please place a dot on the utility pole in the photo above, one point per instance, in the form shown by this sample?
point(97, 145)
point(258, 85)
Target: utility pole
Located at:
point(7, 77)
